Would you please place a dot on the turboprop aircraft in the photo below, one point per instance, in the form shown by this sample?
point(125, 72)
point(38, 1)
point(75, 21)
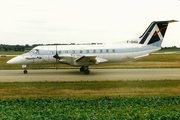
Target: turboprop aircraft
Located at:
point(85, 55)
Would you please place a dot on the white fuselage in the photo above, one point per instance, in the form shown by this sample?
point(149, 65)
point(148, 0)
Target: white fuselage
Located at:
point(107, 53)
point(89, 54)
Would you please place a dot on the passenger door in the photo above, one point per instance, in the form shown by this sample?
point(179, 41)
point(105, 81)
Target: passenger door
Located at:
point(45, 56)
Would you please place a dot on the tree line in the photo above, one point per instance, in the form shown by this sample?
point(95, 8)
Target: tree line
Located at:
point(27, 47)
point(4, 47)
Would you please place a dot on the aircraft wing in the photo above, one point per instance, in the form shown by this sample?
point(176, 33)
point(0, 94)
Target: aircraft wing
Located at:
point(100, 60)
point(94, 59)
point(81, 59)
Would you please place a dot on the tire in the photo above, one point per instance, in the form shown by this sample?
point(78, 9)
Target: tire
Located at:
point(86, 72)
point(81, 69)
point(25, 71)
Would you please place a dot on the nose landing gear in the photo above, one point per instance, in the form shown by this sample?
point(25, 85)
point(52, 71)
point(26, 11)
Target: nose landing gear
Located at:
point(25, 70)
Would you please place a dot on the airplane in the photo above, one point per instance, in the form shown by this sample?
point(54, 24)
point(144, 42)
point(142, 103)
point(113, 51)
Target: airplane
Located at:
point(95, 53)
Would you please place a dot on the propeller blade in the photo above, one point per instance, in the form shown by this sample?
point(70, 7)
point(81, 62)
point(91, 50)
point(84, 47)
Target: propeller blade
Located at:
point(56, 57)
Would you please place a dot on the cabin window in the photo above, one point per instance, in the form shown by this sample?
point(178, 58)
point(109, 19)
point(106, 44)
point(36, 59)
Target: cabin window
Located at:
point(101, 51)
point(107, 51)
point(36, 51)
point(87, 51)
point(94, 51)
point(113, 50)
point(51, 52)
point(81, 51)
point(66, 52)
point(73, 51)
point(59, 52)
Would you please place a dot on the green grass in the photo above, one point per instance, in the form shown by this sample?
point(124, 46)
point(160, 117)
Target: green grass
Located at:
point(10, 53)
point(152, 108)
point(90, 100)
point(161, 58)
point(94, 100)
point(169, 50)
point(89, 89)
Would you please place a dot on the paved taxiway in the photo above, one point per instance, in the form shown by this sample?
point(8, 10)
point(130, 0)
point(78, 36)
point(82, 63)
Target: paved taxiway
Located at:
point(95, 75)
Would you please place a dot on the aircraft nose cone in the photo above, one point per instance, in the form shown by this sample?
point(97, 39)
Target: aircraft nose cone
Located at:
point(15, 60)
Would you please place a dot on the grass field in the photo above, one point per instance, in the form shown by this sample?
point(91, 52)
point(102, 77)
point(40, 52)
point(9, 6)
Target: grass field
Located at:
point(10, 53)
point(107, 88)
point(89, 89)
point(103, 108)
point(94, 100)
point(125, 100)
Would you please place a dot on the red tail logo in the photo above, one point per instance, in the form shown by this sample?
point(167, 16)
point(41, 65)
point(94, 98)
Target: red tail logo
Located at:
point(160, 30)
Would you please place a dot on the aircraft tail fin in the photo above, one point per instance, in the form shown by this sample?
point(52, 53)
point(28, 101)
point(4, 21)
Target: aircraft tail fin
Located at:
point(155, 33)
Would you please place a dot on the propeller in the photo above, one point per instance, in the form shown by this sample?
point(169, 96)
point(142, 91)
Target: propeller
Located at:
point(56, 56)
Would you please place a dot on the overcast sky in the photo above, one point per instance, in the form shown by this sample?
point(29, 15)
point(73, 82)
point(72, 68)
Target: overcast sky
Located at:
point(84, 21)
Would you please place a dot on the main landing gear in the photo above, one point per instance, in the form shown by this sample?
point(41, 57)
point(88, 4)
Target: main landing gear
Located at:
point(85, 70)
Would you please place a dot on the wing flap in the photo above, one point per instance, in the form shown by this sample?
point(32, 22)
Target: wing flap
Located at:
point(82, 59)
point(94, 59)
point(100, 60)
point(87, 59)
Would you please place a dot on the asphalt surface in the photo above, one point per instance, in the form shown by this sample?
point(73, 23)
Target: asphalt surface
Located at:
point(68, 75)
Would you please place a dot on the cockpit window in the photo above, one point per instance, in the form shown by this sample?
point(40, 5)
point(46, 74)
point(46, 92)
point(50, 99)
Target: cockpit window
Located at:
point(34, 51)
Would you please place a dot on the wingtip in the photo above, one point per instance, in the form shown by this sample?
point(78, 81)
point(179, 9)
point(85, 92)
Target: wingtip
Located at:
point(168, 21)
point(173, 21)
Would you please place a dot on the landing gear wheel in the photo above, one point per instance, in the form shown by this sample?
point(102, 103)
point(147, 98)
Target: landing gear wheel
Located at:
point(86, 72)
point(82, 69)
point(25, 71)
